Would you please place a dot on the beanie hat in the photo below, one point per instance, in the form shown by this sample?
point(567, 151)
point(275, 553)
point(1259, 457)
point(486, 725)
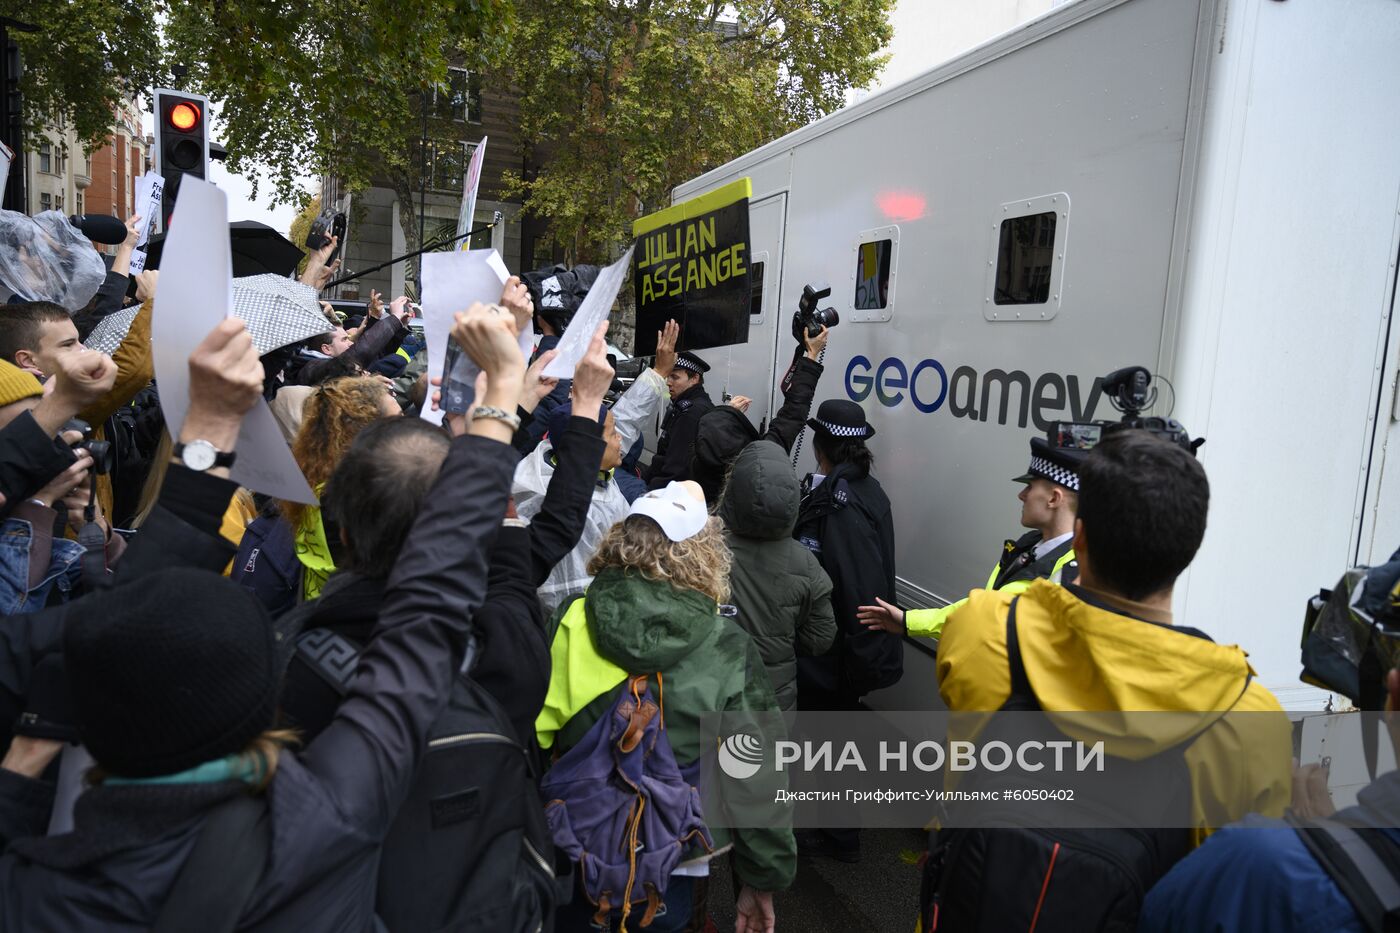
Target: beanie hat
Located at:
point(181, 668)
point(16, 384)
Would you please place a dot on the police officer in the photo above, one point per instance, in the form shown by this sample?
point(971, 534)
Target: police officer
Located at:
point(682, 422)
point(1048, 505)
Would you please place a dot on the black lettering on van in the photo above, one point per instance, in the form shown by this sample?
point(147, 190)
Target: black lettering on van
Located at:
point(1087, 412)
point(1044, 403)
point(1005, 379)
point(963, 375)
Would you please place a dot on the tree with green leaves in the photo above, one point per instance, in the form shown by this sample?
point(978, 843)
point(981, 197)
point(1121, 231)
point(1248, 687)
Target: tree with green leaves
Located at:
point(339, 87)
point(625, 100)
point(86, 58)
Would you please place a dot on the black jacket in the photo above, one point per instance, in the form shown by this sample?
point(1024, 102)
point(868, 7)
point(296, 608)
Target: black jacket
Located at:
point(724, 430)
point(382, 338)
point(846, 521)
point(676, 446)
point(29, 458)
point(331, 805)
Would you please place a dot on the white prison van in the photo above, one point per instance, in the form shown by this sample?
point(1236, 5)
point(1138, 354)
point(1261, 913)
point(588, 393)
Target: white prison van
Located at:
point(1210, 188)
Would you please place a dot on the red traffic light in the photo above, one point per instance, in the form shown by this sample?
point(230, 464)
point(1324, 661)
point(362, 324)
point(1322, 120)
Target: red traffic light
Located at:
point(184, 116)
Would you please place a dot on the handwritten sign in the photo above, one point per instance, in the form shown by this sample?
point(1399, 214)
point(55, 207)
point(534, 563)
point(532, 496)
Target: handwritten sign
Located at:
point(196, 293)
point(149, 188)
point(692, 265)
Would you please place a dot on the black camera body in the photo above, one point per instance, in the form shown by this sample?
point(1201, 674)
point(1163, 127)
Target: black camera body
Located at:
point(1130, 391)
point(809, 319)
point(103, 459)
point(327, 224)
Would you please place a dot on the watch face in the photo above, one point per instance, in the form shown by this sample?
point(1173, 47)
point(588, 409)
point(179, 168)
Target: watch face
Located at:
point(199, 455)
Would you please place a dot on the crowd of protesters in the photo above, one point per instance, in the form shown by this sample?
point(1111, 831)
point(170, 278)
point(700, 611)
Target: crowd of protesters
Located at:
point(429, 700)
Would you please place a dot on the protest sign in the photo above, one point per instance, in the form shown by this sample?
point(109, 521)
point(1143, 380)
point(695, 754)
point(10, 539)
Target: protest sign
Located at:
point(196, 293)
point(147, 204)
point(452, 281)
point(470, 183)
point(594, 310)
point(692, 265)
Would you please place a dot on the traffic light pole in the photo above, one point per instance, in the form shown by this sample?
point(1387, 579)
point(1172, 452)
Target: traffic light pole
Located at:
point(351, 276)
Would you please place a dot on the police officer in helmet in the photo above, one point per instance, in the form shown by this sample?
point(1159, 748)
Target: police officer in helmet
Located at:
point(1049, 502)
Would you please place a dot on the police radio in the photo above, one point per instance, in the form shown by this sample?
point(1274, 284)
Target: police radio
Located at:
point(1131, 392)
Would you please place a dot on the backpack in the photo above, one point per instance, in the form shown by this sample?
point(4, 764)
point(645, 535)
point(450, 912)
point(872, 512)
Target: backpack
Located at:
point(1024, 878)
point(267, 563)
point(469, 848)
point(1364, 864)
point(620, 808)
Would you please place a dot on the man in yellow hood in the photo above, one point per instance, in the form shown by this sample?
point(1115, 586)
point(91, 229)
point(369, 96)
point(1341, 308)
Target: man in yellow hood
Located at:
point(1108, 642)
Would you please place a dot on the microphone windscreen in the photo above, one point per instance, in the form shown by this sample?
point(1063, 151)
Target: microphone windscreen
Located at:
point(100, 227)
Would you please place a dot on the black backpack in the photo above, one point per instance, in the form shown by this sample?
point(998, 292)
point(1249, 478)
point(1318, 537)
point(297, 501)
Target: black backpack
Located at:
point(1024, 879)
point(469, 849)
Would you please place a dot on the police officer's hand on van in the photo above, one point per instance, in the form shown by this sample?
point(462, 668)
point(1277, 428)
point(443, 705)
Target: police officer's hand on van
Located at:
point(815, 345)
point(885, 617)
point(741, 402)
point(666, 348)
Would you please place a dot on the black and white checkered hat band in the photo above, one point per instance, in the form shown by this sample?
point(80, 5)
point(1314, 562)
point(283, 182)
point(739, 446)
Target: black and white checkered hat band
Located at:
point(843, 430)
point(1054, 472)
point(683, 363)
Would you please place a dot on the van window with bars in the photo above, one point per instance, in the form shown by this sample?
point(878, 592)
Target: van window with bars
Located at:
point(1025, 259)
point(756, 289)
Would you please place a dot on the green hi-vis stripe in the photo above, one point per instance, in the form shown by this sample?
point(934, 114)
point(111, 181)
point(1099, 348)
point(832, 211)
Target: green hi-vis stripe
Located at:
point(704, 204)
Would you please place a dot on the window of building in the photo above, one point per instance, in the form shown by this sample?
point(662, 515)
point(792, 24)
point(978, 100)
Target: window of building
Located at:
point(873, 275)
point(79, 197)
point(45, 202)
point(460, 100)
point(46, 157)
point(58, 202)
point(756, 288)
point(1025, 259)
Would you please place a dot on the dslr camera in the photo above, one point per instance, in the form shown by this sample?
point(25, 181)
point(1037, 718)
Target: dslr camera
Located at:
point(327, 224)
point(1129, 390)
point(103, 459)
point(809, 319)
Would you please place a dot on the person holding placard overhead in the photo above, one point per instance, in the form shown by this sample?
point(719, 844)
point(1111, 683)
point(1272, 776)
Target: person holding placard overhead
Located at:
point(689, 403)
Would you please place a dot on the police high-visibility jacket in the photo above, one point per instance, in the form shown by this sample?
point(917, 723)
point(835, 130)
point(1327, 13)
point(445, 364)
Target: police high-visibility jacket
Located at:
point(1012, 573)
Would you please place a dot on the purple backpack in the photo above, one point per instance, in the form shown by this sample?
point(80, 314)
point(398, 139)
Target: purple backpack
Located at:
point(619, 806)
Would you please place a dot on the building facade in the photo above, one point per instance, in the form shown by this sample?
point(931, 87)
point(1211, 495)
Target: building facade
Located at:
point(467, 111)
point(61, 177)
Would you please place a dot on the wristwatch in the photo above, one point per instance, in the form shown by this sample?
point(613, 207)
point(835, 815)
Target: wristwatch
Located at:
point(202, 455)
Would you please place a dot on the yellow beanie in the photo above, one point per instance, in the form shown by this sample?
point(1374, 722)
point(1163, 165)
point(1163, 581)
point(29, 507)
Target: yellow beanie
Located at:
point(16, 384)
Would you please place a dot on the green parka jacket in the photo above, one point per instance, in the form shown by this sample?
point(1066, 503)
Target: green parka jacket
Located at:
point(779, 587)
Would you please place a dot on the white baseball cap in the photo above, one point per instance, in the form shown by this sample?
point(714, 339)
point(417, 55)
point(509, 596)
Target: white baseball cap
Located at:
point(679, 509)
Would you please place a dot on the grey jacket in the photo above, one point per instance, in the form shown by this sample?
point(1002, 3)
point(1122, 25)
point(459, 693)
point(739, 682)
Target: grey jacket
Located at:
point(782, 593)
point(332, 804)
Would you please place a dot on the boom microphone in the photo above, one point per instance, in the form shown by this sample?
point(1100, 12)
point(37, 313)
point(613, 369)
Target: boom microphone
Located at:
point(100, 227)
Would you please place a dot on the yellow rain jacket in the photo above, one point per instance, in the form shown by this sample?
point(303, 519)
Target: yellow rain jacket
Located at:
point(1082, 658)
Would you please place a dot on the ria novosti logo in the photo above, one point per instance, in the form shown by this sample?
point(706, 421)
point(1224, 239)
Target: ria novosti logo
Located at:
point(741, 756)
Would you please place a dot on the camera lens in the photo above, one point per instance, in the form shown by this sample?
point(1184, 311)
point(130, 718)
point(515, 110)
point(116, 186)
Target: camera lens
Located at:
point(827, 317)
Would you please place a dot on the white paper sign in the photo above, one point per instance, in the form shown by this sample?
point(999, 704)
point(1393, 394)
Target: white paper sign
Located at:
point(596, 307)
point(196, 293)
point(451, 283)
point(469, 185)
point(147, 203)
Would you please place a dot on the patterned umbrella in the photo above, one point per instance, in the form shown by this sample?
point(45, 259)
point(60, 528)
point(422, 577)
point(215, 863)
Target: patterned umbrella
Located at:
point(278, 311)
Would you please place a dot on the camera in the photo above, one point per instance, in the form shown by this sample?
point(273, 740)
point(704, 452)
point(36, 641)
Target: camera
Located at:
point(809, 319)
point(103, 459)
point(327, 224)
point(1129, 390)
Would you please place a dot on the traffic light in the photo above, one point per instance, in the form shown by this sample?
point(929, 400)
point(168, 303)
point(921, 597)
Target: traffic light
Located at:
point(182, 142)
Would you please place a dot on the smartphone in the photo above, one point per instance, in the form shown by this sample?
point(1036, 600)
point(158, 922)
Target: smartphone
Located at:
point(458, 380)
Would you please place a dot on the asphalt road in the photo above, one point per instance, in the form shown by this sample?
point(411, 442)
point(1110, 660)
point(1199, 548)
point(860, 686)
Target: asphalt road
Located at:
point(879, 893)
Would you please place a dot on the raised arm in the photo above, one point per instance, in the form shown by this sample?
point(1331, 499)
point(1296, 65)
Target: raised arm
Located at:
point(366, 757)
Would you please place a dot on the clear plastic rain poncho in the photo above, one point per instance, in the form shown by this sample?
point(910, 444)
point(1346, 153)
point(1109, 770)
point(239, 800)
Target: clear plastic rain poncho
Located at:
point(45, 258)
point(569, 577)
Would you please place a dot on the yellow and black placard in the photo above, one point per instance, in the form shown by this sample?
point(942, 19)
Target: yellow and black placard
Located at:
point(691, 263)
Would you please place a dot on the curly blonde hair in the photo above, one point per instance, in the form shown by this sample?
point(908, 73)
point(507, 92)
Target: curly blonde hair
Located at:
point(699, 563)
point(334, 414)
